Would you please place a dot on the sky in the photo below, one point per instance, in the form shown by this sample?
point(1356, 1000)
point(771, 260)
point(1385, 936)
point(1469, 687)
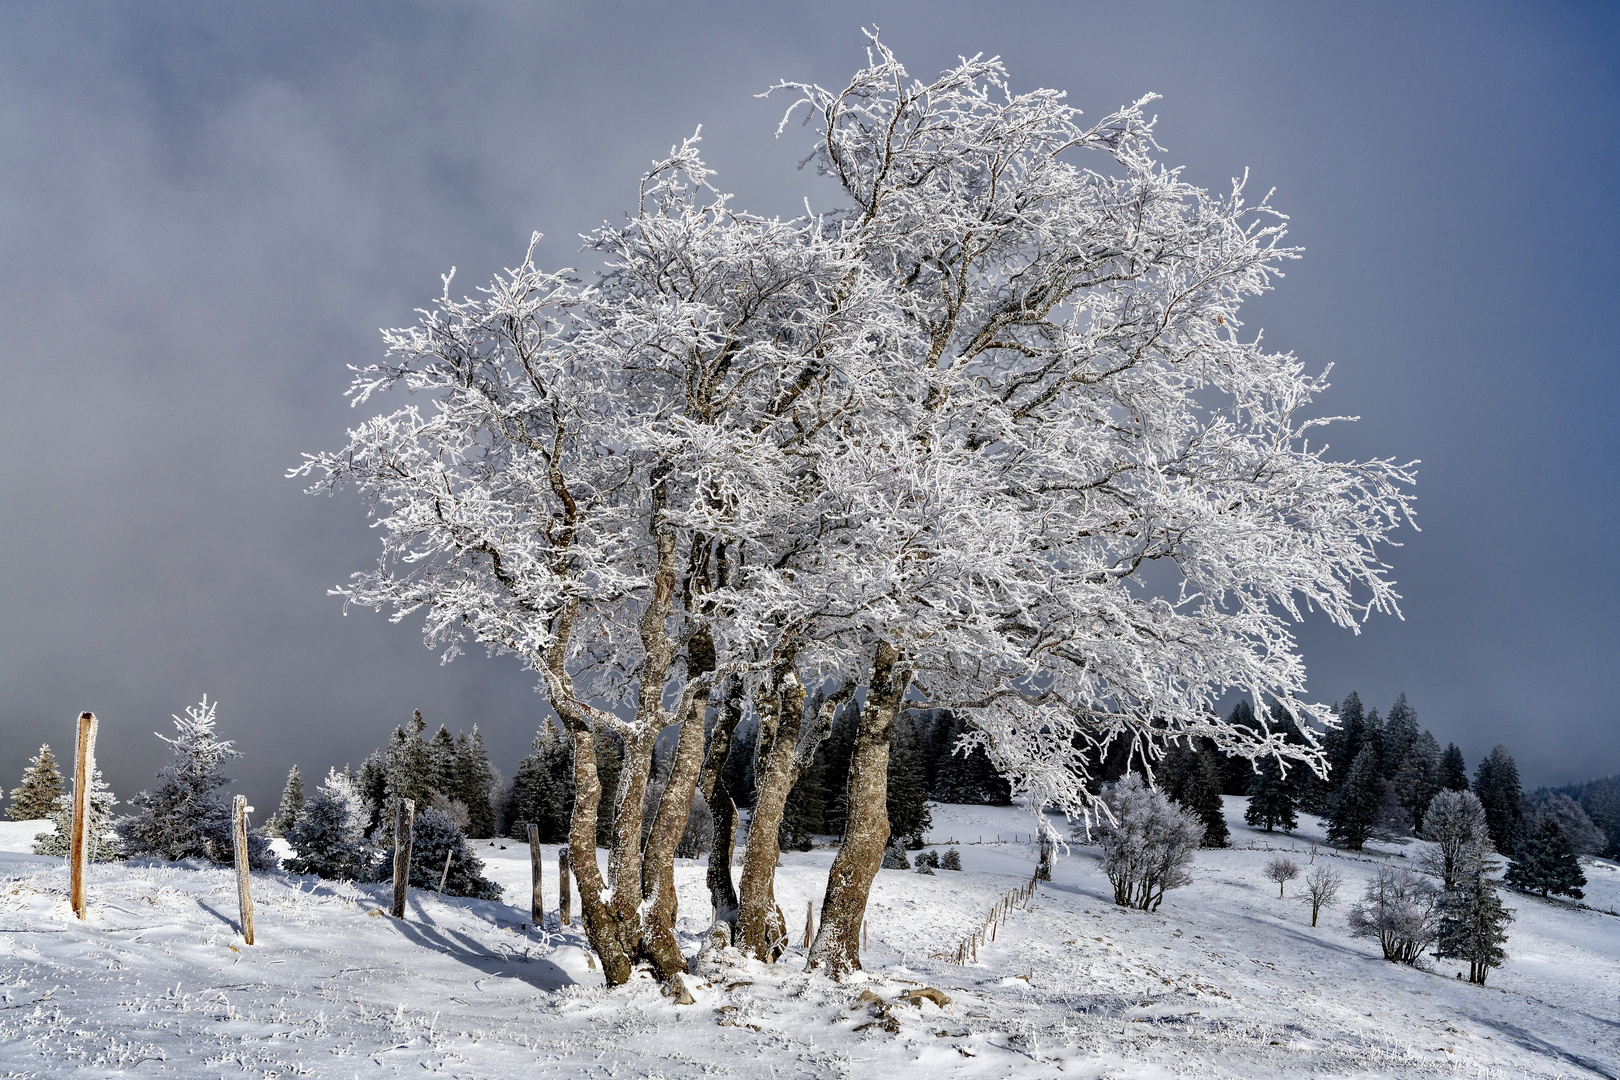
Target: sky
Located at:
point(207, 211)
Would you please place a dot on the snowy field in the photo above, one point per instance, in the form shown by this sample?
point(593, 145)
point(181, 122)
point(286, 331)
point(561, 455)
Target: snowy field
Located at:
point(1225, 980)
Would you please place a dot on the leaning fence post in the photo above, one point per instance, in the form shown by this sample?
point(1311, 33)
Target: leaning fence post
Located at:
point(444, 877)
point(404, 823)
point(565, 891)
point(84, 769)
point(239, 812)
point(537, 908)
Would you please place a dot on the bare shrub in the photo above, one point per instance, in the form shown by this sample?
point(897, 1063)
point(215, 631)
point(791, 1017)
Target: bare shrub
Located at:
point(1322, 889)
point(1282, 870)
point(1401, 910)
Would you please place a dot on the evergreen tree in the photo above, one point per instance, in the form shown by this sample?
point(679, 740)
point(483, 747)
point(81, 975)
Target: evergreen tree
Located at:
point(965, 776)
point(474, 780)
point(1236, 772)
point(372, 787)
point(410, 768)
point(41, 786)
point(292, 804)
point(1497, 784)
point(1453, 769)
point(806, 806)
point(1400, 735)
point(186, 815)
point(329, 837)
point(738, 774)
point(1418, 780)
point(1545, 862)
point(433, 835)
point(1355, 808)
point(442, 764)
point(542, 790)
point(1271, 798)
point(1373, 736)
point(837, 753)
point(1601, 801)
point(1473, 922)
point(1193, 776)
point(909, 818)
point(104, 843)
point(1343, 743)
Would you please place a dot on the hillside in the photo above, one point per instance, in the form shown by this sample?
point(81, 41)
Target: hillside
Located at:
point(1225, 980)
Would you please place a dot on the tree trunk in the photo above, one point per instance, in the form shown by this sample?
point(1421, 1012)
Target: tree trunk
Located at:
point(404, 825)
point(866, 831)
point(722, 890)
point(760, 929)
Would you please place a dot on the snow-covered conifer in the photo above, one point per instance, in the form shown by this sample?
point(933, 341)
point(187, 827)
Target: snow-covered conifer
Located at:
point(411, 773)
point(1473, 922)
point(432, 836)
point(41, 786)
point(1418, 779)
point(1496, 782)
point(1147, 846)
point(474, 782)
point(104, 842)
point(542, 791)
point(894, 856)
point(442, 764)
point(1355, 807)
point(1402, 911)
point(372, 785)
point(1271, 798)
point(907, 798)
point(1192, 778)
point(186, 815)
point(1546, 862)
point(329, 837)
point(292, 804)
point(1455, 827)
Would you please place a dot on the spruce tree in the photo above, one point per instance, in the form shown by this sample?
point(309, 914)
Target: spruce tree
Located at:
point(1418, 780)
point(837, 752)
point(1236, 771)
point(1193, 776)
point(473, 781)
point(292, 804)
point(1453, 769)
point(41, 786)
point(410, 768)
point(442, 764)
point(1373, 736)
point(1497, 785)
point(909, 818)
point(805, 808)
point(965, 776)
point(1400, 735)
point(1271, 799)
point(104, 843)
point(542, 790)
point(329, 837)
point(186, 815)
point(1473, 922)
point(372, 786)
point(1355, 808)
point(1545, 862)
point(1342, 744)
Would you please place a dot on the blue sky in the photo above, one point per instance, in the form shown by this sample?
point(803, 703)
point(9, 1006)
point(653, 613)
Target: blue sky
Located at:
point(207, 210)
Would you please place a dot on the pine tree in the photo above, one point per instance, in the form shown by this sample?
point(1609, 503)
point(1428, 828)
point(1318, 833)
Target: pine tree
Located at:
point(474, 780)
point(1545, 862)
point(1355, 809)
point(329, 837)
point(909, 817)
point(1373, 736)
point(1497, 785)
point(1453, 769)
point(41, 786)
point(1236, 772)
point(104, 843)
point(542, 790)
point(1473, 922)
point(1194, 782)
point(1343, 743)
point(410, 768)
point(433, 835)
point(965, 776)
point(837, 752)
point(442, 764)
point(805, 808)
point(186, 815)
point(1400, 735)
point(1418, 780)
point(292, 804)
point(372, 787)
point(1271, 798)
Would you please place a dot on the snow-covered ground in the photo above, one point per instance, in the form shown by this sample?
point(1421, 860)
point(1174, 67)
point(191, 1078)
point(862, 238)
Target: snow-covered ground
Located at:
point(1224, 980)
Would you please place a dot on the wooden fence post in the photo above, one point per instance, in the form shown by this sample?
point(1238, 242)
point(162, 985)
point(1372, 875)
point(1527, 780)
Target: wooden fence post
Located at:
point(565, 890)
point(239, 813)
point(84, 769)
point(404, 823)
point(444, 877)
point(537, 907)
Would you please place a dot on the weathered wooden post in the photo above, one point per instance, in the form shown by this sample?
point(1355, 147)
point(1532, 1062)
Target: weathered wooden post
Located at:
point(404, 822)
point(537, 907)
point(239, 812)
point(84, 768)
point(809, 922)
point(565, 890)
point(444, 877)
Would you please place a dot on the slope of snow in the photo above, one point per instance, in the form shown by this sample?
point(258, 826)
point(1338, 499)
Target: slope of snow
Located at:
point(1224, 980)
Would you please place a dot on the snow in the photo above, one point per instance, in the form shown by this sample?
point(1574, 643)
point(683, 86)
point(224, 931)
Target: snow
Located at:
point(1224, 980)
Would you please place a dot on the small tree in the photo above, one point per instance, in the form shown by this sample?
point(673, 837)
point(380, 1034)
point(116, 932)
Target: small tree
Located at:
point(104, 843)
point(1148, 846)
point(1322, 886)
point(1455, 825)
point(1271, 798)
point(186, 815)
point(1546, 862)
point(1401, 910)
point(1282, 870)
point(1473, 922)
point(1355, 808)
point(292, 804)
point(1193, 779)
point(329, 837)
point(432, 837)
point(951, 860)
point(894, 856)
point(41, 786)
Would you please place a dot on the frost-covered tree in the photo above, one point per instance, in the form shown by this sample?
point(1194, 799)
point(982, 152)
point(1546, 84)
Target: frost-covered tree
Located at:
point(372, 784)
point(1282, 870)
point(1147, 843)
point(1455, 828)
point(187, 816)
point(1418, 779)
point(329, 837)
point(1322, 885)
point(1584, 836)
point(1546, 863)
point(104, 842)
point(41, 786)
point(410, 768)
point(474, 783)
point(1473, 921)
point(442, 764)
point(1402, 911)
point(1354, 816)
point(292, 804)
point(542, 792)
point(1496, 782)
point(433, 836)
point(922, 445)
point(963, 772)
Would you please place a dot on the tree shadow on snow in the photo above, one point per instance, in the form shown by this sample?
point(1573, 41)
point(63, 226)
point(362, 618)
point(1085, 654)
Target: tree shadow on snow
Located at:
point(535, 971)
